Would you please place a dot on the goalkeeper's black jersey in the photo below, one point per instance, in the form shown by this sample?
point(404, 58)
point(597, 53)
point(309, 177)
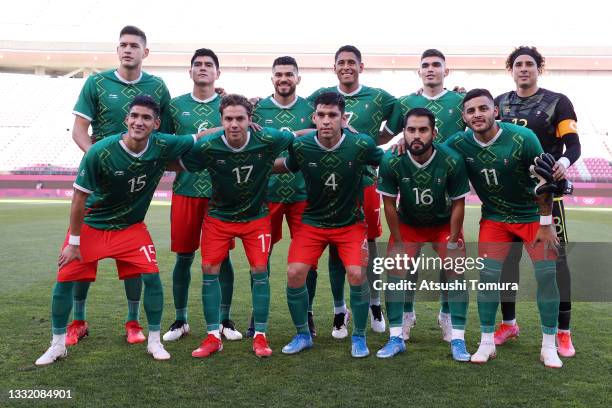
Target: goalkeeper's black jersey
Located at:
point(549, 114)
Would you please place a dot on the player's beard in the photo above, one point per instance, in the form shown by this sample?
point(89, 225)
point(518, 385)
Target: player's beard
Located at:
point(419, 149)
point(285, 94)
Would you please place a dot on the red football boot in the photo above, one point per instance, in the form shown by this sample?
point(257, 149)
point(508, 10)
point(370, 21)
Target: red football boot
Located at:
point(506, 332)
point(210, 345)
point(76, 331)
point(260, 346)
point(134, 332)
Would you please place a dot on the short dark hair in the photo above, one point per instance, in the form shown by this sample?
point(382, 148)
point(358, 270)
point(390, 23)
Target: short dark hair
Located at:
point(331, 98)
point(475, 93)
point(348, 48)
point(432, 52)
point(205, 52)
point(421, 112)
point(525, 50)
point(147, 102)
point(133, 30)
point(285, 60)
point(236, 100)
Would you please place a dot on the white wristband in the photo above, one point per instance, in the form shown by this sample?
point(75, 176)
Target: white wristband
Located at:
point(74, 240)
point(546, 219)
point(452, 245)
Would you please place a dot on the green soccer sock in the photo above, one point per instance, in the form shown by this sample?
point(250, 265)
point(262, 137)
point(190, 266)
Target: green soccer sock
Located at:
point(444, 308)
point(394, 301)
point(337, 275)
point(360, 304)
point(211, 301)
point(133, 289)
point(226, 281)
point(261, 300)
point(311, 284)
point(181, 279)
point(153, 300)
point(547, 295)
point(297, 300)
point(79, 302)
point(458, 304)
point(488, 300)
point(371, 276)
point(61, 304)
point(410, 293)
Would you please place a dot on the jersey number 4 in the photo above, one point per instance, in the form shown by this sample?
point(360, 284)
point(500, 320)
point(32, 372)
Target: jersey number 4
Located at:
point(331, 181)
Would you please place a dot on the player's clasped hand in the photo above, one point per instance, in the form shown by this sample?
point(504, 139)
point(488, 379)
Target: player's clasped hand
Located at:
point(547, 236)
point(558, 171)
point(69, 254)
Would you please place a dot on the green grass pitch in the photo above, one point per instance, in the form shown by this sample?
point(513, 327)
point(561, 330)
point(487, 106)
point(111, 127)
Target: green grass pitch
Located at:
point(104, 371)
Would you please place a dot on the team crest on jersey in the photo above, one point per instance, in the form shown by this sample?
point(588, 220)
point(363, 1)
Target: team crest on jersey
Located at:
point(119, 173)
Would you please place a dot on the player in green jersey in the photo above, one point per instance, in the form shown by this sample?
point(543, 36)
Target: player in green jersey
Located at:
point(195, 112)
point(552, 118)
point(366, 108)
point(103, 104)
point(286, 192)
point(239, 162)
point(498, 157)
point(432, 184)
point(446, 106)
point(112, 192)
point(333, 163)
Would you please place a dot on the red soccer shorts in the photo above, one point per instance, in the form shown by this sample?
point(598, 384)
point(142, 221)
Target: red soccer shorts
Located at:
point(186, 219)
point(309, 243)
point(131, 248)
point(495, 239)
point(415, 237)
point(187, 223)
point(292, 211)
point(371, 211)
point(218, 236)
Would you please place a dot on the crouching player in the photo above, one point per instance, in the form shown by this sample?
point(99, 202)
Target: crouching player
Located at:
point(239, 162)
point(333, 164)
point(498, 157)
point(112, 192)
point(432, 184)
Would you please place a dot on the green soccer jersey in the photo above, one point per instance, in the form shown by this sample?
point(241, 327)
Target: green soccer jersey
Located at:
point(192, 115)
point(446, 106)
point(499, 171)
point(333, 177)
point(287, 187)
point(425, 190)
point(105, 99)
point(367, 108)
point(239, 176)
point(121, 183)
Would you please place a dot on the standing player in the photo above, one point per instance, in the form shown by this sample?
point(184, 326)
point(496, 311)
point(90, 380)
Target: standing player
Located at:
point(103, 104)
point(193, 113)
point(446, 106)
point(239, 162)
point(285, 110)
point(432, 184)
point(366, 110)
point(498, 157)
point(112, 192)
point(552, 118)
point(333, 164)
